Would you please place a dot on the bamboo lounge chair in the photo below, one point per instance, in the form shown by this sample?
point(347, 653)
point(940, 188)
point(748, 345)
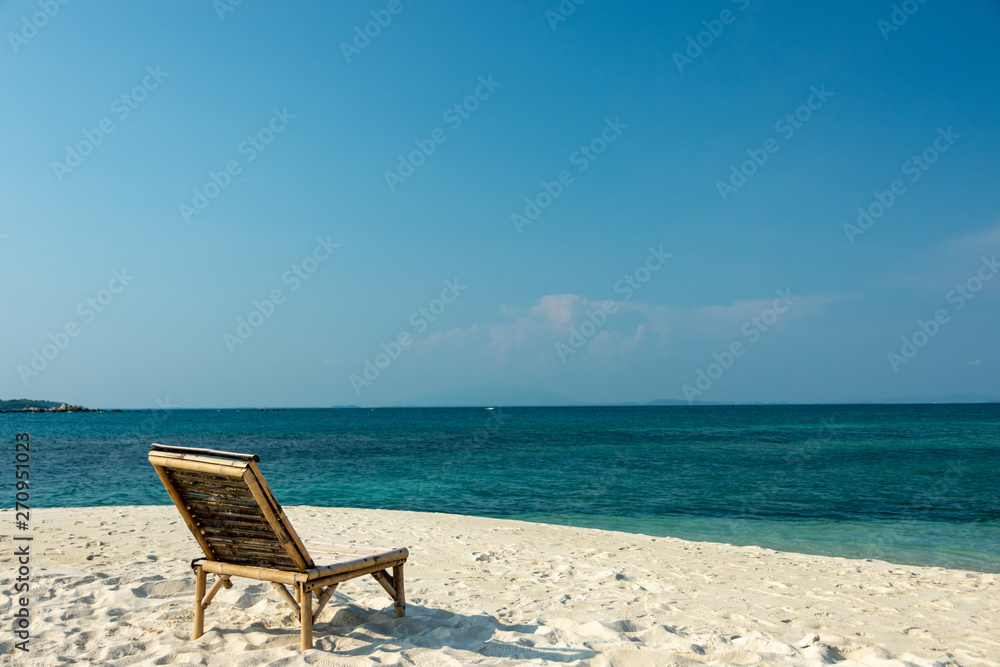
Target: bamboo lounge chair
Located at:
point(243, 531)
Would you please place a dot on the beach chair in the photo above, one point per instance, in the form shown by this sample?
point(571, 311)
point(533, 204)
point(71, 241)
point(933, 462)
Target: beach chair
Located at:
point(243, 531)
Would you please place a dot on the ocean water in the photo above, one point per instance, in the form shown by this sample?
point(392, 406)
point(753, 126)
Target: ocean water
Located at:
point(912, 484)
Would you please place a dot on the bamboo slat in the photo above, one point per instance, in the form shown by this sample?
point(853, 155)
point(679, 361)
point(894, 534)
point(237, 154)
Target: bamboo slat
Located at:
point(301, 559)
point(237, 534)
point(345, 548)
point(232, 505)
point(338, 546)
point(328, 558)
point(325, 558)
point(287, 597)
point(208, 487)
point(238, 542)
point(254, 556)
point(223, 509)
point(323, 599)
point(198, 451)
point(206, 465)
point(201, 457)
point(306, 616)
point(258, 573)
point(384, 578)
point(266, 489)
point(257, 550)
point(212, 490)
point(383, 558)
point(235, 531)
point(324, 581)
point(208, 480)
point(236, 522)
point(400, 597)
point(201, 476)
point(256, 559)
point(264, 564)
point(185, 514)
point(199, 608)
point(220, 581)
point(211, 524)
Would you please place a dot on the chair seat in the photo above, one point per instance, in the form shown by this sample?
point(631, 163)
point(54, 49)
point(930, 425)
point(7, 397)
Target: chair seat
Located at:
point(339, 562)
point(327, 554)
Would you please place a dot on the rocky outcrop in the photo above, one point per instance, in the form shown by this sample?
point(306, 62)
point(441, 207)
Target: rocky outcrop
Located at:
point(64, 407)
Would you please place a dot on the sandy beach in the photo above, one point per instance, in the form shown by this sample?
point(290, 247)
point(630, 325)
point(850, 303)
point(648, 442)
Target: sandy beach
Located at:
point(112, 585)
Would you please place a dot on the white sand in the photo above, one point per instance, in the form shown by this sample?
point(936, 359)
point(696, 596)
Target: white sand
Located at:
point(113, 586)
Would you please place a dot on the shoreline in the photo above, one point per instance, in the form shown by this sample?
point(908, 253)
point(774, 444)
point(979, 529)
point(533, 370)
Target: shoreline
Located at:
point(791, 539)
point(113, 584)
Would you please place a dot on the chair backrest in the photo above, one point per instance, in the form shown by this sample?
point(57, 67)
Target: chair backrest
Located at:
point(229, 508)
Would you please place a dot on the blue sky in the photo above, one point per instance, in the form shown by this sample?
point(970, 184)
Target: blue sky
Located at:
point(640, 137)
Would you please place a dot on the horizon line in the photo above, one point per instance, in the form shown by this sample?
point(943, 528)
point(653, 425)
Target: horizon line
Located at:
point(651, 404)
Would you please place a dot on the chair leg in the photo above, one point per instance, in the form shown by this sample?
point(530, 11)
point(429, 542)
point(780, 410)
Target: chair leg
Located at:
point(400, 598)
point(199, 608)
point(306, 616)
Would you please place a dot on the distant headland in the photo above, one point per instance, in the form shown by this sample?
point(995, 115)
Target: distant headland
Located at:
point(28, 405)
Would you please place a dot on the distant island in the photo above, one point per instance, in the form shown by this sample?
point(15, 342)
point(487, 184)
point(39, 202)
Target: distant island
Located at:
point(28, 405)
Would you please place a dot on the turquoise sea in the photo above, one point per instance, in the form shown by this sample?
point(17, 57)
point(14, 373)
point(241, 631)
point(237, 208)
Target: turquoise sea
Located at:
point(916, 484)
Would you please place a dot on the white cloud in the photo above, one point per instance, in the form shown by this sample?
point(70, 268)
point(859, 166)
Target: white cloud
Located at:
point(525, 338)
point(985, 241)
point(559, 309)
